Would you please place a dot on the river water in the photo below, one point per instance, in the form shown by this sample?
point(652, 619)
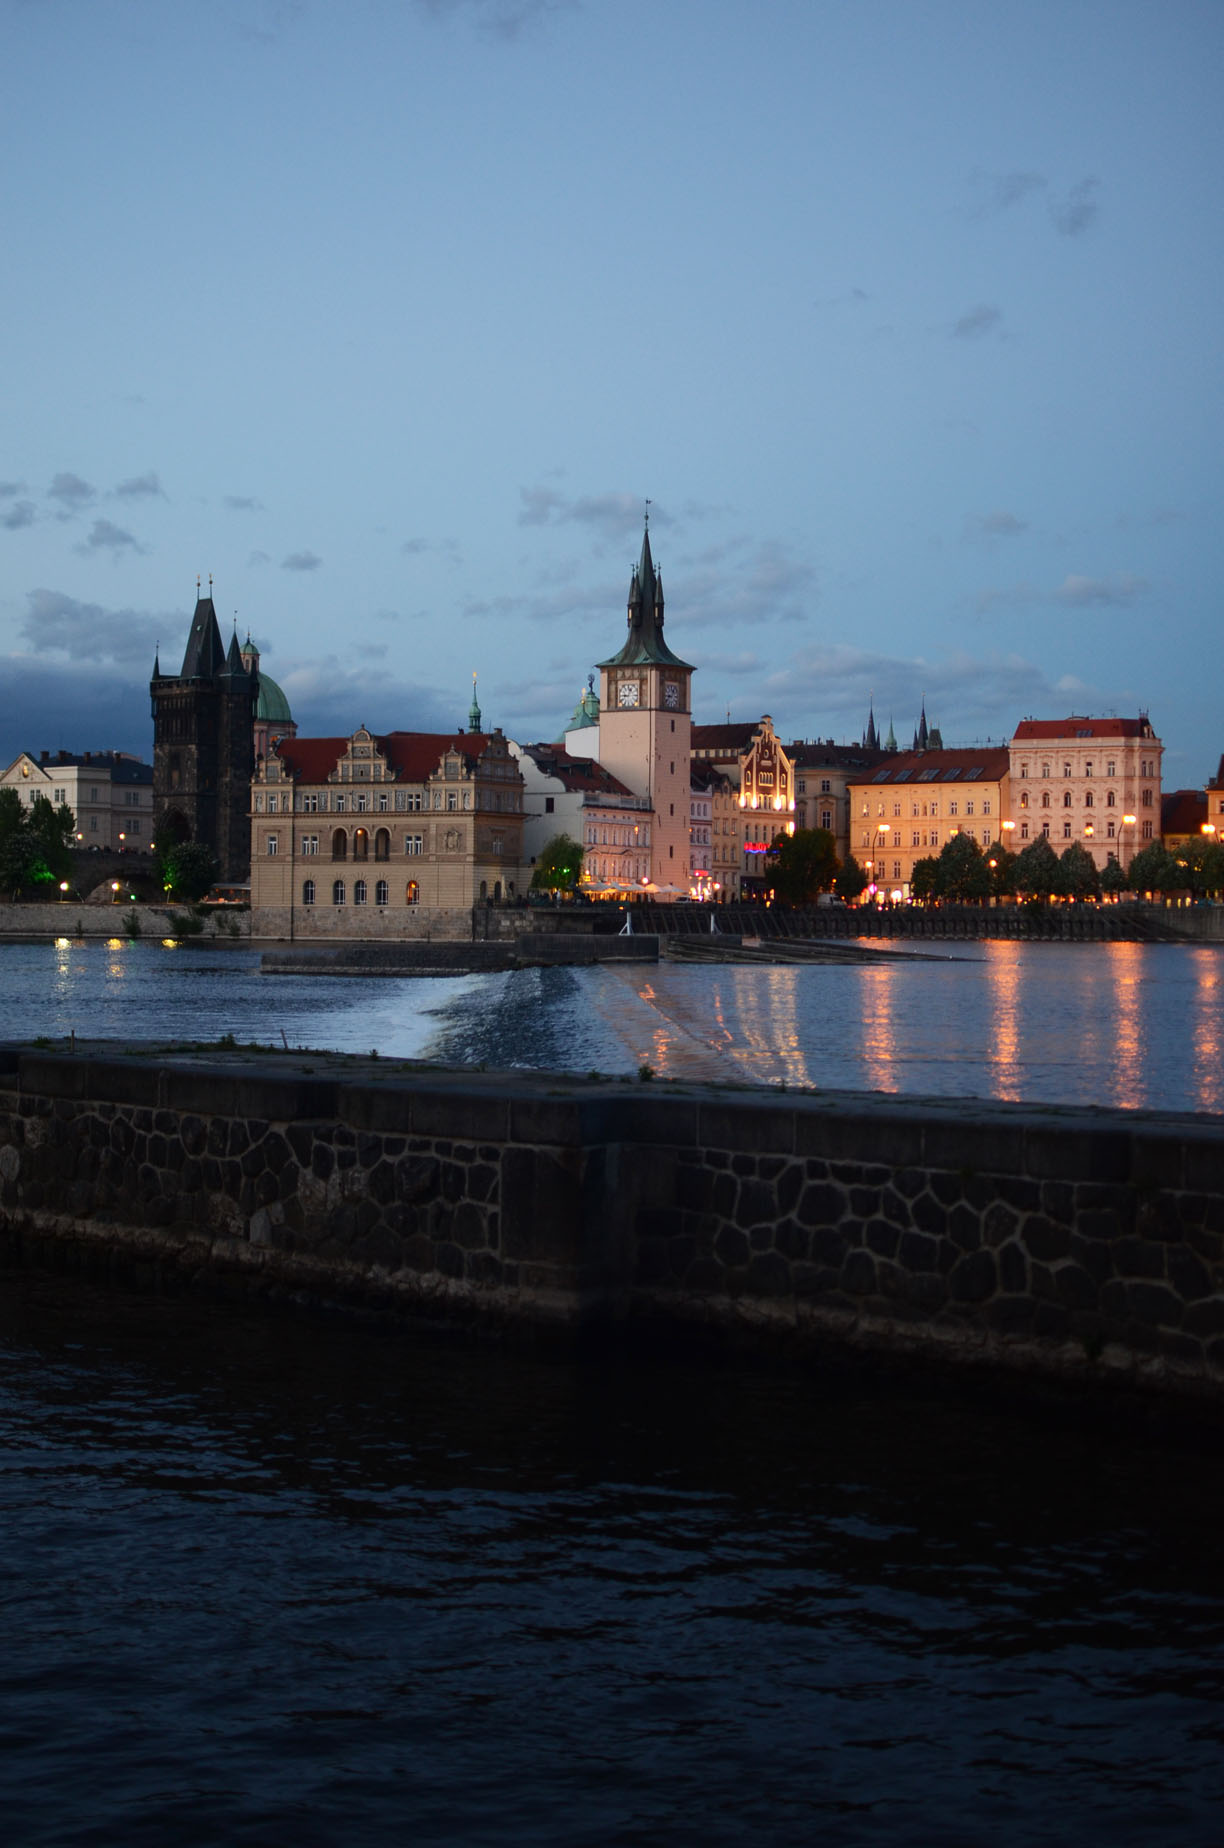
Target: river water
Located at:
point(265, 1581)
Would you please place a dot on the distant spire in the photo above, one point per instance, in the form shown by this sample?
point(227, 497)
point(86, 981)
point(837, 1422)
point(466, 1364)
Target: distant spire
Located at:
point(871, 737)
point(474, 710)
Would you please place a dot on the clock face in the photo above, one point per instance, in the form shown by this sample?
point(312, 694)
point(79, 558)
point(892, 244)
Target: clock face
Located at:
point(628, 693)
point(671, 694)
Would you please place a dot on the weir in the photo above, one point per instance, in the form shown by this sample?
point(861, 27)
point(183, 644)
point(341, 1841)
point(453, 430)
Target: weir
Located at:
point(1083, 1245)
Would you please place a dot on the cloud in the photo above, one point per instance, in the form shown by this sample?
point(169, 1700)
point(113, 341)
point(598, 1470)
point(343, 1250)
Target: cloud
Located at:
point(9, 488)
point(301, 561)
point(613, 515)
point(242, 503)
point(140, 485)
point(979, 321)
point(254, 559)
point(71, 492)
point(1116, 591)
point(507, 20)
point(1078, 212)
point(997, 525)
point(412, 547)
point(49, 705)
point(20, 514)
point(105, 537)
point(58, 624)
point(331, 698)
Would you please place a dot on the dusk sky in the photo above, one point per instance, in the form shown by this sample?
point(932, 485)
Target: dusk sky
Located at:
point(390, 315)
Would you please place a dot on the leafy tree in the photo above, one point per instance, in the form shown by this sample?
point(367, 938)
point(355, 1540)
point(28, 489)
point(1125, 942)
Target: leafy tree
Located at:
point(924, 878)
point(1154, 870)
point(18, 857)
point(1202, 864)
point(1079, 877)
point(1113, 879)
point(851, 881)
point(963, 872)
point(804, 863)
point(188, 870)
point(559, 866)
point(1002, 864)
point(52, 828)
point(1037, 869)
point(12, 814)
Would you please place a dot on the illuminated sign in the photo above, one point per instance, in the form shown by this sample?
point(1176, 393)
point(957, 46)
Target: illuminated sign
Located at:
point(756, 846)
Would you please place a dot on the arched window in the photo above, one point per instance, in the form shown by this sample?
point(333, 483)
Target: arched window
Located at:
point(412, 895)
point(359, 891)
point(1045, 798)
point(382, 845)
point(1088, 799)
point(1110, 801)
point(338, 892)
point(497, 893)
point(1066, 798)
point(339, 844)
point(1024, 799)
point(308, 891)
point(361, 844)
point(484, 890)
point(382, 893)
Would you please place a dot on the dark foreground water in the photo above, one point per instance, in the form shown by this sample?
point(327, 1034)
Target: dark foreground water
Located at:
point(277, 1583)
point(1134, 1025)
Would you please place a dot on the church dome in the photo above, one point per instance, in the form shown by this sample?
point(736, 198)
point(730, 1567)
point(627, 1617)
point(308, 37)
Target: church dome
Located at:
point(273, 705)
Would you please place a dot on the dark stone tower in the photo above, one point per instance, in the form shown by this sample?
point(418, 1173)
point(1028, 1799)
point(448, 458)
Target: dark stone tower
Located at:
point(203, 743)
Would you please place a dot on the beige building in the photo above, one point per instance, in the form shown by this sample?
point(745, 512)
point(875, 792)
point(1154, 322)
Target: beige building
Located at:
point(1095, 781)
point(762, 800)
point(643, 735)
point(363, 836)
point(823, 777)
point(578, 797)
point(909, 807)
point(109, 792)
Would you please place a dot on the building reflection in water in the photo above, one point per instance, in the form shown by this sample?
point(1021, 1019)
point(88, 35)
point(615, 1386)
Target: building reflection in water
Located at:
point(767, 1002)
point(1125, 966)
point(1003, 1038)
point(1205, 1076)
point(877, 1015)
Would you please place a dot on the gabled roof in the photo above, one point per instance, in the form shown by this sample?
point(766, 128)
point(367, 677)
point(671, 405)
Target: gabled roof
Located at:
point(575, 774)
point(413, 756)
point(724, 739)
point(1074, 730)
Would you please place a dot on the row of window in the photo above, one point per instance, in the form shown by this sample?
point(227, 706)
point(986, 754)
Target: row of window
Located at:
point(414, 844)
point(409, 801)
point(382, 892)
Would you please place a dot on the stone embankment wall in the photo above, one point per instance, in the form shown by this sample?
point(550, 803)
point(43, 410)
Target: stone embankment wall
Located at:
point(76, 921)
point(1088, 1245)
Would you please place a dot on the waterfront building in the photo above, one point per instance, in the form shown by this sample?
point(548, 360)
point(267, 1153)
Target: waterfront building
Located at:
point(110, 794)
point(1214, 792)
point(1095, 781)
point(761, 770)
point(645, 719)
point(579, 797)
point(1184, 818)
point(824, 773)
point(912, 804)
point(204, 742)
point(717, 851)
point(365, 836)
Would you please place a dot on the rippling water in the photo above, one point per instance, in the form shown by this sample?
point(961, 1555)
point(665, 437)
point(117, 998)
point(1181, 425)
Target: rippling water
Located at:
point(1121, 1024)
point(266, 1582)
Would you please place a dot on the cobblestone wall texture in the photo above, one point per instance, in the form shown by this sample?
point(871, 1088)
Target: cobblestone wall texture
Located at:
point(1069, 1242)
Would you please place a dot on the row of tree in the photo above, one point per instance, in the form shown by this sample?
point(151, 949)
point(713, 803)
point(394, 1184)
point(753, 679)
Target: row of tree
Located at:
point(36, 854)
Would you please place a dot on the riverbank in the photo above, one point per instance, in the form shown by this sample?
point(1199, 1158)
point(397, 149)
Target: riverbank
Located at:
point(1083, 1247)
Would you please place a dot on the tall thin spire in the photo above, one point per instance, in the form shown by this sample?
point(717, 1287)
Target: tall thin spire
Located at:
point(474, 714)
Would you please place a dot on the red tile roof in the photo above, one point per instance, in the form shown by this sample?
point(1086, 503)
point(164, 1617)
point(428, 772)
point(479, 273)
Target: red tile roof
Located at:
point(413, 756)
point(575, 773)
point(1073, 728)
point(982, 764)
point(1183, 811)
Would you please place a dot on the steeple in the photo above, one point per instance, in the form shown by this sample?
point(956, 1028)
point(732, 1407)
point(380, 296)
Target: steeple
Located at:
point(890, 743)
point(474, 714)
point(871, 737)
point(922, 736)
point(645, 639)
point(205, 654)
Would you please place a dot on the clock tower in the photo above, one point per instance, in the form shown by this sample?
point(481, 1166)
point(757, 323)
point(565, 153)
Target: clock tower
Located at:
point(645, 724)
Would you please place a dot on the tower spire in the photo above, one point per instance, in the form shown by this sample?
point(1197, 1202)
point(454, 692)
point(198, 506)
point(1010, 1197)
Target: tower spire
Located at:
point(474, 714)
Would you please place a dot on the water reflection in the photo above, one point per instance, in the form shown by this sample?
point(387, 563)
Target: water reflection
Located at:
point(1208, 994)
point(879, 1030)
point(1003, 1038)
point(1125, 965)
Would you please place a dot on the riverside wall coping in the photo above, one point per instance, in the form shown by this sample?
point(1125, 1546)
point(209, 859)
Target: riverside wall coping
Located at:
point(1080, 1242)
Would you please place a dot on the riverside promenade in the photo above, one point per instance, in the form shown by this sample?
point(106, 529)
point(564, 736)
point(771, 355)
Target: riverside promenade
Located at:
point(1083, 1246)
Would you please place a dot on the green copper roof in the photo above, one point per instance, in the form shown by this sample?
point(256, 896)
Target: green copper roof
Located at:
point(272, 702)
point(644, 642)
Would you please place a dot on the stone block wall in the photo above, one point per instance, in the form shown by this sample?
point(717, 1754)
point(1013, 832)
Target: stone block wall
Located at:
point(1088, 1244)
point(76, 919)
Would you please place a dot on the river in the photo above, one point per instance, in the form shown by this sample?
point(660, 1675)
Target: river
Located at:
point(272, 1581)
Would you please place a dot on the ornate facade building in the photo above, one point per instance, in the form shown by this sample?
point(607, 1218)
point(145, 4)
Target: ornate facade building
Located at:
point(366, 836)
point(911, 805)
point(1095, 781)
point(203, 742)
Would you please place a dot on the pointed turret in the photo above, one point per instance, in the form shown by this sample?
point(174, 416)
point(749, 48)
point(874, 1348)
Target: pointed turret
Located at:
point(645, 639)
point(205, 653)
point(474, 713)
point(890, 743)
point(871, 737)
point(922, 736)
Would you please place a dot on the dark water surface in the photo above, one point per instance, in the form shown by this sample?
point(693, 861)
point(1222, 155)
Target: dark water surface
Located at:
point(276, 1582)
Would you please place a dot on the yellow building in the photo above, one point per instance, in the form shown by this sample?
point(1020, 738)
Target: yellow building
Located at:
point(914, 802)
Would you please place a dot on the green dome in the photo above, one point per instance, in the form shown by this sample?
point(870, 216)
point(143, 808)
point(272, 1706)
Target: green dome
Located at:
point(272, 702)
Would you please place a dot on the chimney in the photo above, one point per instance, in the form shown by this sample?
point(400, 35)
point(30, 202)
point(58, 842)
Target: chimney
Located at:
point(44, 757)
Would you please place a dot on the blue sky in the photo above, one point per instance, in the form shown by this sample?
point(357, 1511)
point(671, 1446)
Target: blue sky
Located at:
point(905, 314)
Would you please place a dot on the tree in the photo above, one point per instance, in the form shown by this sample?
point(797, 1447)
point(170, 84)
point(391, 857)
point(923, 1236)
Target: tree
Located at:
point(924, 878)
point(1037, 870)
point(804, 863)
point(1202, 862)
point(1079, 877)
point(558, 867)
point(188, 870)
point(1002, 864)
point(52, 828)
point(851, 881)
point(1154, 870)
point(1113, 879)
point(12, 814)
point(963, 872)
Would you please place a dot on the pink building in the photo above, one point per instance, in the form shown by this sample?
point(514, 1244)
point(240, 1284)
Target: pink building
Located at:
point(1095, 781)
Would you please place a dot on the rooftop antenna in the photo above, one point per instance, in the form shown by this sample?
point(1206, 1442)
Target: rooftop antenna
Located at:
point(647, 516)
